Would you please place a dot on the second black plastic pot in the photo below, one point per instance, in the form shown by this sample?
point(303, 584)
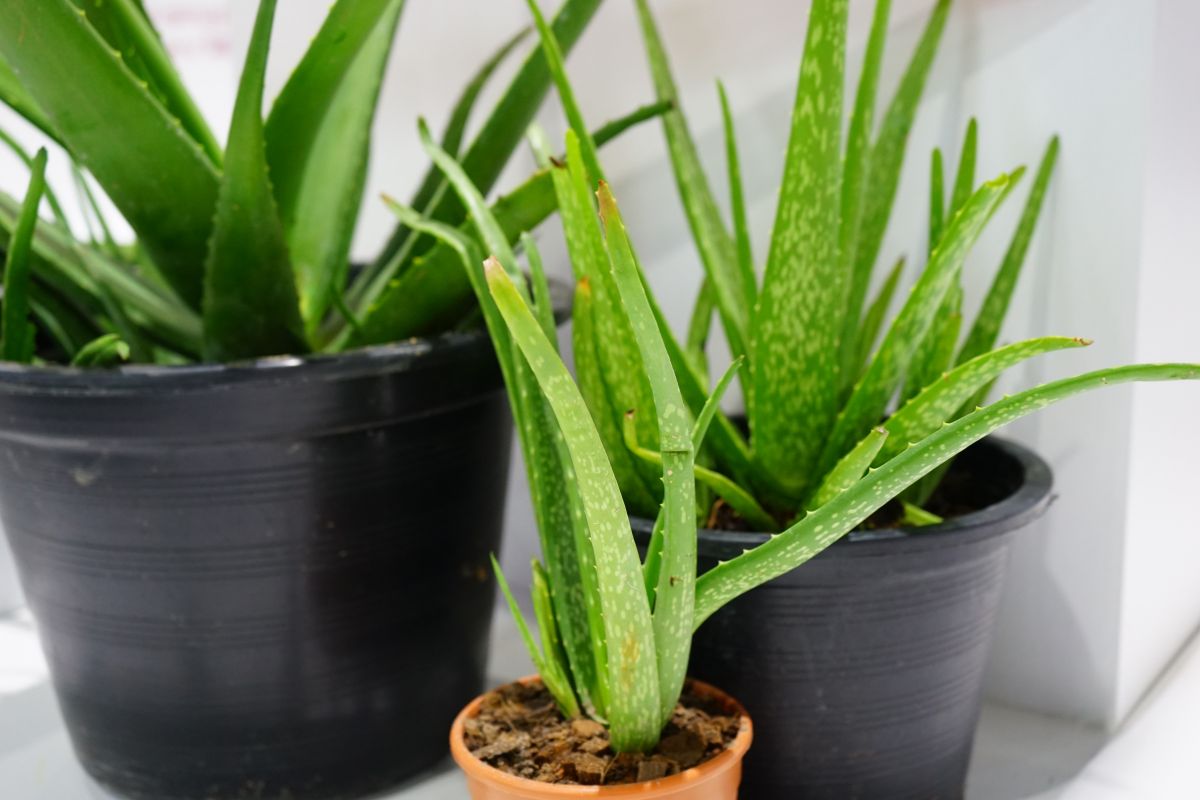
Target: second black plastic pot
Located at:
point(863, 669)
point(260, 580)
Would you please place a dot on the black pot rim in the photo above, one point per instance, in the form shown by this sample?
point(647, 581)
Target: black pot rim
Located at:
point(369, 360)
point(1022, 507)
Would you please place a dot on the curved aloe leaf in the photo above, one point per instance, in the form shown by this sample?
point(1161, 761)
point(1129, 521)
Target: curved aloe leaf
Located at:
point(16, 331)
point(737, 203)
point(634, 706)
point(250, 303)
point(964, 178)
point(844, 512)
point(869, 400)
point(104, 351)
point(160, 179)
point(873, 319)
point(941, 401)
point(797, 332)
point(937, 199)
point(717, 249)
point(125, 26)
point(986, 329)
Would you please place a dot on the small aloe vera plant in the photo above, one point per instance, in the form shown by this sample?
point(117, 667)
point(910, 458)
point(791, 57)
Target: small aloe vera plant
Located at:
point(615, 628)
point(241, 251)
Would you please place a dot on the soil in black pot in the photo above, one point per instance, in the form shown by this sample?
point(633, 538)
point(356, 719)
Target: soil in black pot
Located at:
point(519, 730)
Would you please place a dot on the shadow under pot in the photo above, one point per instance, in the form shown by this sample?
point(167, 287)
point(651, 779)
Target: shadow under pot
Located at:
point(863, 669)
point(265, 579)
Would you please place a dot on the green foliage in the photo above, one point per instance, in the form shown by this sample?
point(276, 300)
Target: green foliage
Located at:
point(16, 332)
point(244, 251)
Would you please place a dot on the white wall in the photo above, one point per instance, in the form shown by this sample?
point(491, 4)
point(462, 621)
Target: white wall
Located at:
point(1101, 591)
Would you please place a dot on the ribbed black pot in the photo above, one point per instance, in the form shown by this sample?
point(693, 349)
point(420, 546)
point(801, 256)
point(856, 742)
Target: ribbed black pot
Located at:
point(863, 669)
point(261, 580)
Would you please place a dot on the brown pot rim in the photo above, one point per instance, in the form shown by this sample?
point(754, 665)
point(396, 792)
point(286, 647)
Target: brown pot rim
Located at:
point(662, 787)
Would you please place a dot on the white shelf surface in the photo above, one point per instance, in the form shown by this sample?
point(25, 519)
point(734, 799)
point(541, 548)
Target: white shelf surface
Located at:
point(1019, 755)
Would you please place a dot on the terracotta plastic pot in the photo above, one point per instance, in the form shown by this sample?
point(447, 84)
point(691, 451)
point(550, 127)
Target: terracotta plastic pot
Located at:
point(716, 779)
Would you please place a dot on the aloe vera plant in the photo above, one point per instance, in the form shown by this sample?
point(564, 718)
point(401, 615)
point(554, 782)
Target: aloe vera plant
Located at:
point(244, 251)
point(823, 370)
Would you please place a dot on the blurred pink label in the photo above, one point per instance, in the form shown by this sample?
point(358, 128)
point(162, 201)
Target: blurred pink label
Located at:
point(193, 29)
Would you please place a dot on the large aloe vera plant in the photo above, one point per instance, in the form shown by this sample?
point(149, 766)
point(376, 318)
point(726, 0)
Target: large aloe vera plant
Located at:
point(615, 629)
point(830, 384)
point(243, 251)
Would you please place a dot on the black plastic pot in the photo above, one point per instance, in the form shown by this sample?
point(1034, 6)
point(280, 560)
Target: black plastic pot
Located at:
point(863, 669)
point(260, 580)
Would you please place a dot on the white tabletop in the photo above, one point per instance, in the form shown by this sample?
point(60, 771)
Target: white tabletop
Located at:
point(1019, 755)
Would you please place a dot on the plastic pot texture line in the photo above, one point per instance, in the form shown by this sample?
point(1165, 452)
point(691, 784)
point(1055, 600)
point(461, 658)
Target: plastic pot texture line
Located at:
point(863, 669)
point(260, 580)
point(716, 779)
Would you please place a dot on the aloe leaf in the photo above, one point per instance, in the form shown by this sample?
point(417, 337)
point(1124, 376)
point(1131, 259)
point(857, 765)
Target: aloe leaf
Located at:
point(500, 134)
point(869, 400)
point(843, 513)
point(873, 319)
point(594, 387)
point(543, 305)
point(937, 199)
point(986, 329)
point(387, 308)
point(717, 250)
point(16, 331)
point(104, 351)
point(634, 708)
point(574, 593)
point(13, 95)
point(47, 190)
point(917, 517)
point(319, 168)
point(652, 566)
point(941, 400)
point(543, 660)
point(250, 303)
point(125, 26)
point(60, 320)
point(855, 169)
point(699, 327)
point(675, 595)
point(887, 158)
point(964, 178)
point(161, 180)
point(797, 331)
point(737, 202)
point(625, 380)
point(851, 468)
point(552, 647)
point(935, 354)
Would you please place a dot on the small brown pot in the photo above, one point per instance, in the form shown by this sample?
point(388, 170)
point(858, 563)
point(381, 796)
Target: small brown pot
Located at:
point(715, 779)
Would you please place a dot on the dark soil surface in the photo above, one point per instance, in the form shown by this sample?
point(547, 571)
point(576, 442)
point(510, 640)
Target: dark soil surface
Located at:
point(519, 730)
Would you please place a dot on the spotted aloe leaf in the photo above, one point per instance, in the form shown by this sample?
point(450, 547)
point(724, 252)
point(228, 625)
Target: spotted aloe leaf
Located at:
point(844, 512)
point(634, 707)
point(797, 332)
point(850, 468)
point(941, 400)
